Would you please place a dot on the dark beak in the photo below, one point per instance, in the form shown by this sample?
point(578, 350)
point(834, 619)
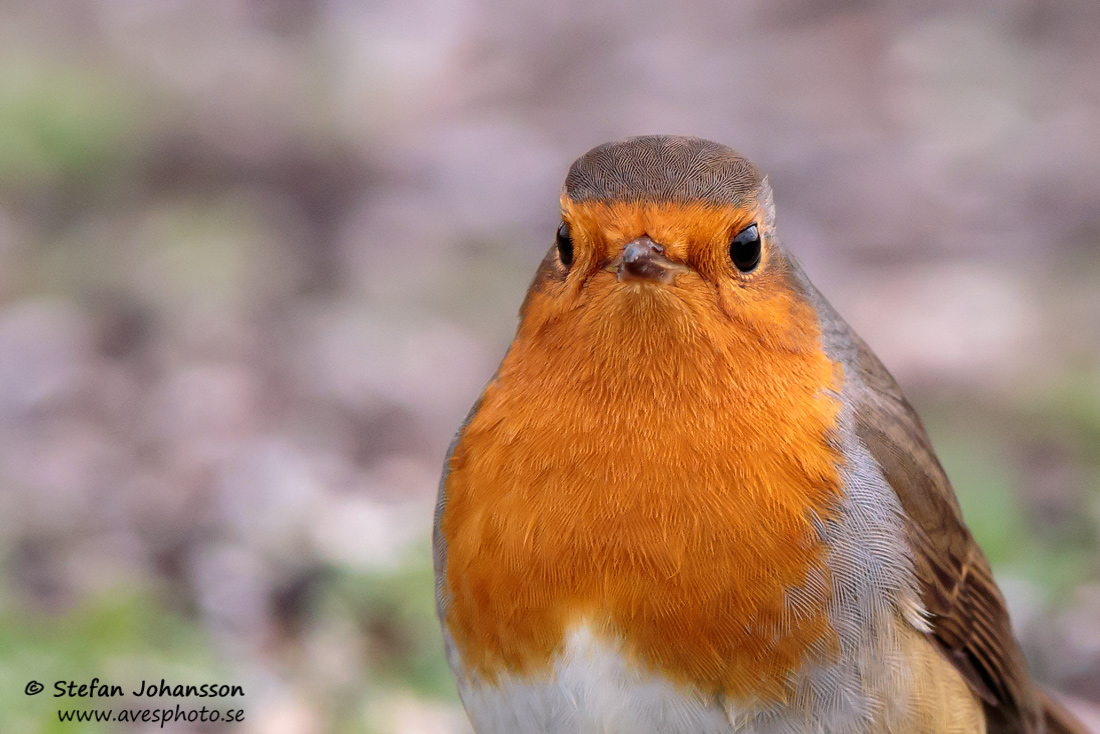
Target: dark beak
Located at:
point(644, 259)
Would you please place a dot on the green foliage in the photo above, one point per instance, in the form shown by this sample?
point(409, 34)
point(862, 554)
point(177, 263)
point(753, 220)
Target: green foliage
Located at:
point(397, 610)
point(120, 639)
point(979, 452)
point(60, 124)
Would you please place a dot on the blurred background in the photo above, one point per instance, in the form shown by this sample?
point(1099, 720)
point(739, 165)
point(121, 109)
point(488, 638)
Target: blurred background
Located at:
point(258, 257)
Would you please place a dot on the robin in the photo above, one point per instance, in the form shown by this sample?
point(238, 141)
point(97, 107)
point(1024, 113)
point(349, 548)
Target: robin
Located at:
point(693, 501)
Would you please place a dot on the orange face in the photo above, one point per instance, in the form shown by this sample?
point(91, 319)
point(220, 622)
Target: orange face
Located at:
point(707, 289)
point(651, 461)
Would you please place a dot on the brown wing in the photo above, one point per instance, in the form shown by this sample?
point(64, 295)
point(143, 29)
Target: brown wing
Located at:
point(969, 620)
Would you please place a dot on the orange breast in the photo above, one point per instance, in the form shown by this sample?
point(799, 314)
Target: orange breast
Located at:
point(648, 467)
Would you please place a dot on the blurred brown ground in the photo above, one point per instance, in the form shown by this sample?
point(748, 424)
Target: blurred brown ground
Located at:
point(258, 257)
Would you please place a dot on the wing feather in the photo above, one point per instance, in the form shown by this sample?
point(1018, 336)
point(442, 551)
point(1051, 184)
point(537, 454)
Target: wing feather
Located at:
point(969, 619)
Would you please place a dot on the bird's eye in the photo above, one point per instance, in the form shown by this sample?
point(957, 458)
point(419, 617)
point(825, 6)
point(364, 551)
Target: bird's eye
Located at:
point(565, 245)
point(745, 249)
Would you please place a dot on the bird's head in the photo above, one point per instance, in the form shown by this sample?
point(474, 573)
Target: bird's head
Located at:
point(668, 238)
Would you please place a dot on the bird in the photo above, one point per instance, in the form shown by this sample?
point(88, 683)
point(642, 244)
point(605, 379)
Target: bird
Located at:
point(692, 500)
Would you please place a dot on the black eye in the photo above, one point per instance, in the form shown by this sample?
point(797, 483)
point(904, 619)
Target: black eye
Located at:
point(745, 249)
point(565, 245)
